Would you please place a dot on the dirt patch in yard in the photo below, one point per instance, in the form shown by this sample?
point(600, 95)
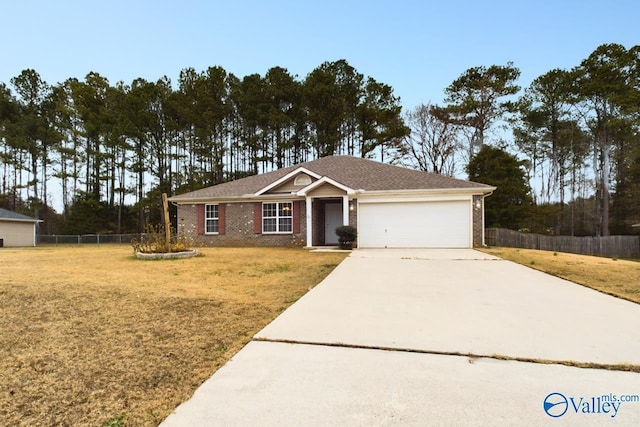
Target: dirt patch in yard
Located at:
point(620, 278)
point(92, 336)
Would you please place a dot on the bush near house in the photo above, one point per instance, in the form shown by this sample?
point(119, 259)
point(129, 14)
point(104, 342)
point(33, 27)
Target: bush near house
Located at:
point(347, 235)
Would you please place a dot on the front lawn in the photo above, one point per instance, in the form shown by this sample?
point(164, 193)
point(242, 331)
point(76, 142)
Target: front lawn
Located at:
point(611, 276)
point(92, 336)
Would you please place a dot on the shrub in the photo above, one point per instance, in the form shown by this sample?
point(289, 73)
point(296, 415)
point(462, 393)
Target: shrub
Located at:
point(153, 241)
point(346, 236)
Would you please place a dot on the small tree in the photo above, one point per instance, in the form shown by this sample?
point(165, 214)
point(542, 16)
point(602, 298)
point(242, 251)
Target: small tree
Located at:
point(510, 204)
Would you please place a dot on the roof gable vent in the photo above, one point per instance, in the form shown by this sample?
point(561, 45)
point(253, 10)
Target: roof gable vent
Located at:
point(302, 179)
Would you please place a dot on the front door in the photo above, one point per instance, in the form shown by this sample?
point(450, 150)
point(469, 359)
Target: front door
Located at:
point(332, 220)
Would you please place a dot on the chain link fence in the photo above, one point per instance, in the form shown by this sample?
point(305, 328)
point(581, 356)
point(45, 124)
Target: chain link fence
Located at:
point(89, 239)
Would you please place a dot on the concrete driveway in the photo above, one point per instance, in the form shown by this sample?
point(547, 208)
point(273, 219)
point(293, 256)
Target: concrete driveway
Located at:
point(432, 337)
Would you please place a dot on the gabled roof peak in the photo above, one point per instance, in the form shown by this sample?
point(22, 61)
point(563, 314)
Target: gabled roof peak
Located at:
point(297, 171)
point(351, 172)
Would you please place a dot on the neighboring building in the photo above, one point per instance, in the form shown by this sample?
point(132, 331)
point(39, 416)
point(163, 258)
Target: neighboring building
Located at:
point(17, 229)
point(391, 207)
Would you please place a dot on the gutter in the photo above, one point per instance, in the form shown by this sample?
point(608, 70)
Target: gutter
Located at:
point(475, 191)
point(237, 199)
point(360, 193)
point(32, 221)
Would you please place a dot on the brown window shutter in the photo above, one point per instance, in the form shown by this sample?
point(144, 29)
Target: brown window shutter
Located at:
point(296, 217)
point(257, 218)
point(221, 217)
point(200, 209)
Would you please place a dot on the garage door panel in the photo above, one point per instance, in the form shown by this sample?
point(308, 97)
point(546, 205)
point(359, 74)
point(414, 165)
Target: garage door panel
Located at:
point(444, 224)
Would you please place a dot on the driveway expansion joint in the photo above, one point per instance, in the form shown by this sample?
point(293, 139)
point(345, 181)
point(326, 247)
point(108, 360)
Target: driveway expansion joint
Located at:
point(471, 356)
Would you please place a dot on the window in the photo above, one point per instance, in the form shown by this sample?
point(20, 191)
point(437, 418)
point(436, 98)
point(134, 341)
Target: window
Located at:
point(211, 219)
point(277, 217)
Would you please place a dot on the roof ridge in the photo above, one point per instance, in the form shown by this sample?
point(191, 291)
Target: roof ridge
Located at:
point(350, 171)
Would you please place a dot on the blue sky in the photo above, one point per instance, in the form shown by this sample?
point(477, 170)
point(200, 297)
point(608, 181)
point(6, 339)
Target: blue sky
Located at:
point(417, 47)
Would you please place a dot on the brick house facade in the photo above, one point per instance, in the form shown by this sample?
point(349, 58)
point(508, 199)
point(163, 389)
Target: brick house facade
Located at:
point(240, 226)
point(302, 205)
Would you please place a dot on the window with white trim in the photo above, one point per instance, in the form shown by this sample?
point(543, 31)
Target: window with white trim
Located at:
point(211, 219)
point(277, 217)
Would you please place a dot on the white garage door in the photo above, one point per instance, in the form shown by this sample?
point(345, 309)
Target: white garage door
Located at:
point(445, 224)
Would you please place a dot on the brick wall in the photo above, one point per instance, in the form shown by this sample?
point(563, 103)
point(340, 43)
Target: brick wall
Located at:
point(239, 228)
point(478, 223)
point(353, 216)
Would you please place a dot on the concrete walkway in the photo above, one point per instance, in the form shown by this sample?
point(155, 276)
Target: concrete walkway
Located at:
point(418, 337)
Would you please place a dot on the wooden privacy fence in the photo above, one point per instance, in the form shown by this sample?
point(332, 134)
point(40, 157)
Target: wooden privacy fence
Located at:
point(609, 246)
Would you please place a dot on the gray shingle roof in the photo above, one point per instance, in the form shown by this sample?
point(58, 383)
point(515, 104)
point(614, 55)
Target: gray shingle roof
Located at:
point(10, 215)
point(354, 172)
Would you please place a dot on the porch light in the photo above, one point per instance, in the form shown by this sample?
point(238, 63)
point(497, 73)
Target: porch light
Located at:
point(478, 204)
point(351, 206)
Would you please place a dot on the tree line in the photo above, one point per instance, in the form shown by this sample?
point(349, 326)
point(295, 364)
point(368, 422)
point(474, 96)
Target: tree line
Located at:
point(106, 144)
point(112, 149)
point(575, 133)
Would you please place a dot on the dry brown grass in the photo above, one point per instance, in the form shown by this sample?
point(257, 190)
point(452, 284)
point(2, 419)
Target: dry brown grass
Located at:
point(614, 277)
point(92, 336)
